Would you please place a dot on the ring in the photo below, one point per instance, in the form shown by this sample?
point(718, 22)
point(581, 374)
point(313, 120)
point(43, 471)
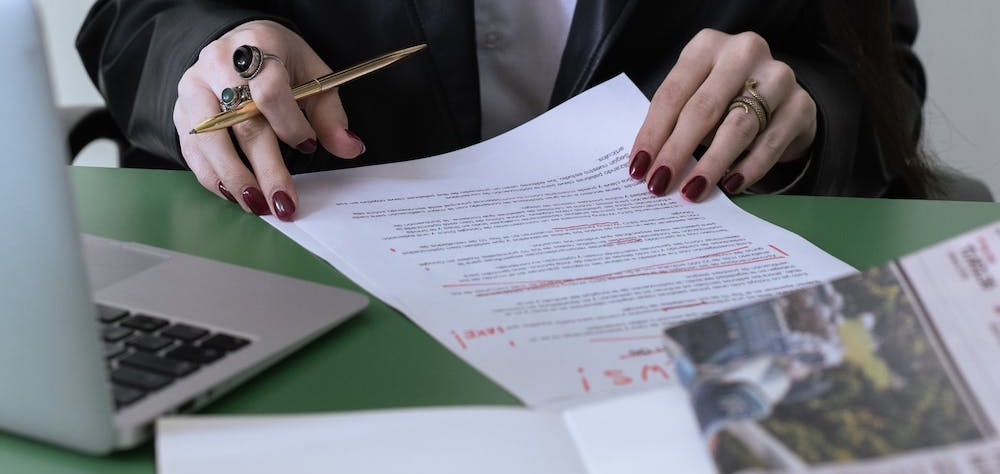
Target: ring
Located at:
point(234, 97)
point(755, 101)
point(249, 60)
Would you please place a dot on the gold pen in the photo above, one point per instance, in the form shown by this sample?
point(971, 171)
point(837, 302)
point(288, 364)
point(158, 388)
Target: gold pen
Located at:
point(249, 109)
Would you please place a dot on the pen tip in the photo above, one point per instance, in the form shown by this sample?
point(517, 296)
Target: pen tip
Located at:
point(193, 132)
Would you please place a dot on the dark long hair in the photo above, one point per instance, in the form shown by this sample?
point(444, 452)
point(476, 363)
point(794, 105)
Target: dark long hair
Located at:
point(864, 33)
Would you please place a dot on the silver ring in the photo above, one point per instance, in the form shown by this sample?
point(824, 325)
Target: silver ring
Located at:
point(249, 60)
point(234, 97)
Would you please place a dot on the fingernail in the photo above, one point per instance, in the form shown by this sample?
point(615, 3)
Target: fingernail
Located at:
point(732, 183)
point(693, 189)
point(254, 199)
point(225, 192)
point(284, 207)
point(640, 165)
point(659, 181)
point(307, 146)
point(357, 139)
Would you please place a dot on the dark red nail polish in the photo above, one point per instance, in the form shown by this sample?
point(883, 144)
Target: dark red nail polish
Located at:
point(284, 207)
point(307, 146)
point(640, 165)
point(693, 189)
point(732, 183)
point(659, 181)
point(254, 199)
point(225, 192)
point(356, 138)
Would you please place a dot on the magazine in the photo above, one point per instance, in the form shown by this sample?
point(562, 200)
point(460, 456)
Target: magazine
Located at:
point(889, 370)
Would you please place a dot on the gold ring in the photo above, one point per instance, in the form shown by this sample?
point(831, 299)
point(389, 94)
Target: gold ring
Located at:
point(756, 102)
point(751, 86)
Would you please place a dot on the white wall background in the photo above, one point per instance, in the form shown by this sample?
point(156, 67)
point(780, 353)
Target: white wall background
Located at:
point(957, 42)
point(61, 20)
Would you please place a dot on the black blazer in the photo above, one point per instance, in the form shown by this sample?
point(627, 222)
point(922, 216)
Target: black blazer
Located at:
point(136, 51)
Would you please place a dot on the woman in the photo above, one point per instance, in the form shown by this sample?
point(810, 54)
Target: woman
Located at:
point(788, 96)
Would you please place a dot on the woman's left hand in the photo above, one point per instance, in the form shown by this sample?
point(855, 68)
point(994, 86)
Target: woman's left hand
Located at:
point(693, 106)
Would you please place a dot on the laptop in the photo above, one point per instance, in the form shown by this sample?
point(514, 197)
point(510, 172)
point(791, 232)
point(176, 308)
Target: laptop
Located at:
point(101, 337)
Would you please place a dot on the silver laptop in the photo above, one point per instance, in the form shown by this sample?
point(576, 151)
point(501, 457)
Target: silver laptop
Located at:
point(102, 337)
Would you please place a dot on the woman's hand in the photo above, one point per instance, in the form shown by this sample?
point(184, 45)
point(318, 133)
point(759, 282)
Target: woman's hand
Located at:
point(692, 107)
point(213, 156)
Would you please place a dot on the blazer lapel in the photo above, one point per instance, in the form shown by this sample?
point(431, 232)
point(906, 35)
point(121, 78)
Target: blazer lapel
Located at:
point(596, 24)
point(449, 30)
point(640, 37)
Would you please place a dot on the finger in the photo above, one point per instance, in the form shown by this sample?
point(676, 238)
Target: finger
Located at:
point(739, 128)
point(260, 145)
point(693, 66)
point(203, 171)
point(326, 112)
point(802, 108)
point(784, 139)
point(217, 150)
point(711, 100)
point(197, 162)
point(735, 134)
point(272, 93)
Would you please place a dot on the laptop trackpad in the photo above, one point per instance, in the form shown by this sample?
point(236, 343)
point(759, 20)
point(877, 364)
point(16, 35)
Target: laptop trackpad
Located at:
point(111, 261)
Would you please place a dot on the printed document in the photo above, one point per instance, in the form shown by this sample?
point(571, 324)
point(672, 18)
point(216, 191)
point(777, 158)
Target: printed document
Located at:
point(537, 259)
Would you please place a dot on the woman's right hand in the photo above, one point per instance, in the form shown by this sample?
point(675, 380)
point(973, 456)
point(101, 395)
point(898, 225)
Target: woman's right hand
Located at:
point(318, 120)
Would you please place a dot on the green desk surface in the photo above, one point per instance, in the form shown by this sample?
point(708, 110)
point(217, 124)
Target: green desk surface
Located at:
point(380, 359)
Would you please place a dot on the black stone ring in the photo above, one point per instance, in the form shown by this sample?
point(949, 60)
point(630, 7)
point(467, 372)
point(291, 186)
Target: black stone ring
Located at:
point(249, 60)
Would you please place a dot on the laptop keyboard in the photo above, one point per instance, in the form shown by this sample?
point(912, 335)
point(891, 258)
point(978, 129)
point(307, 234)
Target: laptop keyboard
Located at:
point(146, 353)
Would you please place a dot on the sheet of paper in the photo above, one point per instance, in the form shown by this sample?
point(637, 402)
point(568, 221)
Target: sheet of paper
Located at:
point(653, 431)
point(648, 432)
point(446, 441)
point(536, 258)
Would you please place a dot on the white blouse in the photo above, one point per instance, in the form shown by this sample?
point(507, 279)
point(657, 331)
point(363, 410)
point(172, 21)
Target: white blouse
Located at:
point(519, 47)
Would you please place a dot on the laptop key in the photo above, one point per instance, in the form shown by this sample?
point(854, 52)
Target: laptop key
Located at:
point(110, 314)
point(140, 379)
point(201, 355)
point(143, 322)
point(172, 367)
point(184, 332)
point(112, 350)
point(224, 342)
point(149, 342)
point(115, 333)
point(126, 395)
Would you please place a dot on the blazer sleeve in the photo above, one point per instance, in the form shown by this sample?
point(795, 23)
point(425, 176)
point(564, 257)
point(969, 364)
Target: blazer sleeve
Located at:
point(136, 52)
